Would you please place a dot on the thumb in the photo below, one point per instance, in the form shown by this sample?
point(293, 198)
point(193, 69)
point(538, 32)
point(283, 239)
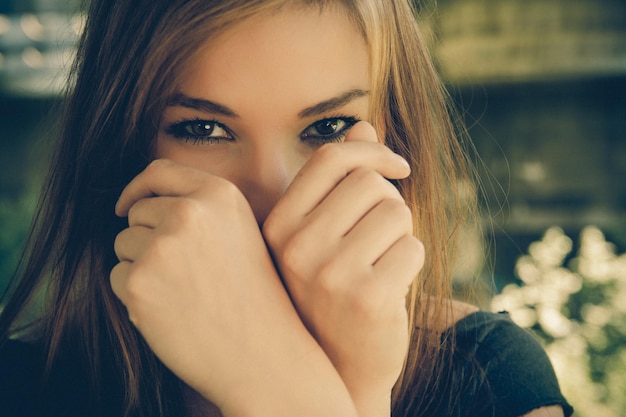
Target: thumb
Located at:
point(362, 131)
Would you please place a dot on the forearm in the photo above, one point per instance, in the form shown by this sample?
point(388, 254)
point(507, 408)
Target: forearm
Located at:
point(301, 382)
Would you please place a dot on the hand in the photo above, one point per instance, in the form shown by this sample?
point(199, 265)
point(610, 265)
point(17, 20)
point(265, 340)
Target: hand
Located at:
point(342, 239)
point(200, 286)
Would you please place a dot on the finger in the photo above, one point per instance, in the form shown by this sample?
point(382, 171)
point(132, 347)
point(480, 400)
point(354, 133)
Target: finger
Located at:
point(355, 196)
point(118, 277)
point(361, 148)
point(377, 232)
point(161, 178)
point(131, 242)
point(401, 264)
point(329, 165)
point(151, 211)
point(362, 131)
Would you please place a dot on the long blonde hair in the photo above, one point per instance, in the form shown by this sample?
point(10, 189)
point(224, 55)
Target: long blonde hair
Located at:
point(126, 68)
point(417, 117)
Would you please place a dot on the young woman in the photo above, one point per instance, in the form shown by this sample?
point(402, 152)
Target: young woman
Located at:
point(250, 213)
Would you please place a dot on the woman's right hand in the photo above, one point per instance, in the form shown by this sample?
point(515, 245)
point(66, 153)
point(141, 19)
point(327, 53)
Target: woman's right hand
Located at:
point(200, 286)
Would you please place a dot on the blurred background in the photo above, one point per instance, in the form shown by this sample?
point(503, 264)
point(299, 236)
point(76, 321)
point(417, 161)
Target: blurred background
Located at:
point(541, 86)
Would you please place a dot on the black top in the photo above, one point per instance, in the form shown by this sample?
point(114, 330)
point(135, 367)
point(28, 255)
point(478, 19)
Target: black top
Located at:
point(498, 369)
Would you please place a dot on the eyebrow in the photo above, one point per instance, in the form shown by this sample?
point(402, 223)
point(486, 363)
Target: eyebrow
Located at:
point(208, 106)
point(332, 104)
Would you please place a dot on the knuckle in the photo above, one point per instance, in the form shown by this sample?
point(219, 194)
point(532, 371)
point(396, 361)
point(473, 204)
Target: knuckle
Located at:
point(336, 279)
point(226, 191)
point(134, 285)
point(403, 209)
point(389, 189)
point(397, 209)
point(118, 243)
point(416, 248)
point(117, 278)
point(160, 247)
point(272, 230)
point(417, 244)
point(186, 210)
point(293, 254)
point(135, 210)
point(224, 188)
point(374, 180)
point(130, 283)
point(392, 190)
point(331, 276)
point(366, 300)
point(326, 278)
point(157, 163)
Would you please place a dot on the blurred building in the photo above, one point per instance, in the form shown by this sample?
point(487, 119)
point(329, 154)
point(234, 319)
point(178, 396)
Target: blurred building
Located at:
point(542, 88)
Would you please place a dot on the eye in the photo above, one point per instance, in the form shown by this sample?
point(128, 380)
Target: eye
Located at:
point(333, 129)
point(199, 131)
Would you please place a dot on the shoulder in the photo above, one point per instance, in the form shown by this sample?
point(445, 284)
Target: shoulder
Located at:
point(448, 315)
point(512, 372)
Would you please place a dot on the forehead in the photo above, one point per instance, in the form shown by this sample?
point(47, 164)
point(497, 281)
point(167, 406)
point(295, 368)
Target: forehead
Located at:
point(287, 59)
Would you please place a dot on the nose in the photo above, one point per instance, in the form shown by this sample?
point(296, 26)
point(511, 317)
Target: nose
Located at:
point(265, 173)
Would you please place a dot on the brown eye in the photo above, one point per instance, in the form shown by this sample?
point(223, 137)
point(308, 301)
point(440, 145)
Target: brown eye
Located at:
point(328, 130)
point(199, 128)
point(328, 127)
point(199, 131)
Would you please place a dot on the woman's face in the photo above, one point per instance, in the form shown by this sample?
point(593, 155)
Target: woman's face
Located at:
point(259, 99)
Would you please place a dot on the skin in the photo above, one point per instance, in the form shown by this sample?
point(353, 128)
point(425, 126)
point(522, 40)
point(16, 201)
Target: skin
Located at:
point(329, 324)
point(266, 269)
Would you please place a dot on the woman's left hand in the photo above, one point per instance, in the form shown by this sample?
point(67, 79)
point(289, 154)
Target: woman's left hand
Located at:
point(342, 237)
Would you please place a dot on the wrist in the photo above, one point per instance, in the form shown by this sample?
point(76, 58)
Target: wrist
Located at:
point(296, 379)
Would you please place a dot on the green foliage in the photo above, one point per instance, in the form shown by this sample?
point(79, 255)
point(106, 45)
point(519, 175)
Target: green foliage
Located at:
point(577, 309)
point(15, 218)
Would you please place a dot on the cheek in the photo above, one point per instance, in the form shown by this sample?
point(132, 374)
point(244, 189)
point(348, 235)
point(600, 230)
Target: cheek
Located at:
point(167, 149)
point(197, 156)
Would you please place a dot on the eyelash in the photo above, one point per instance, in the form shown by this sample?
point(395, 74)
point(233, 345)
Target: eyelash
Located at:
point(338, 136)
point(179, 130)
